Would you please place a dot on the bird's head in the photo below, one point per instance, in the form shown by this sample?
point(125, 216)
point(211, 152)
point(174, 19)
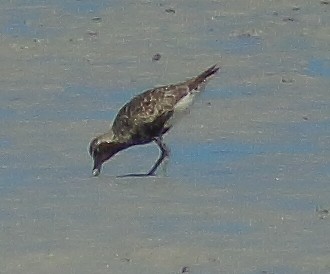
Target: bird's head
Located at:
point(101, 149)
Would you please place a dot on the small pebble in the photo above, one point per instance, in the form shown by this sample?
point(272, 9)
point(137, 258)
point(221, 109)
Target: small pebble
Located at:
point(156, 57)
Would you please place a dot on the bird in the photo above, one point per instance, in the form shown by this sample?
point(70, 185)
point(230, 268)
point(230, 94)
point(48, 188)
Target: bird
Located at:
point(146, 118)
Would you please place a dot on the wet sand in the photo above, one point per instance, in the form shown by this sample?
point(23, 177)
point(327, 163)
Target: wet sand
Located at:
point(246, 189)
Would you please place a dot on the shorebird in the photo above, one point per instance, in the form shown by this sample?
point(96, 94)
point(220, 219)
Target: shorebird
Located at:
point(146, 118)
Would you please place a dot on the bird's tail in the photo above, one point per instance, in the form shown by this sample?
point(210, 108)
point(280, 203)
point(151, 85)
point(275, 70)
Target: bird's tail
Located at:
point(203, 77)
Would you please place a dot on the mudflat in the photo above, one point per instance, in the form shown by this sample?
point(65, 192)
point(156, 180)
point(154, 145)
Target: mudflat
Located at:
point(246, 189)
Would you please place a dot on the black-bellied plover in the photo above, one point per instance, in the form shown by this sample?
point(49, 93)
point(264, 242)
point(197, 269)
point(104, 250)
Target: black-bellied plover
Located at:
point(146, 118)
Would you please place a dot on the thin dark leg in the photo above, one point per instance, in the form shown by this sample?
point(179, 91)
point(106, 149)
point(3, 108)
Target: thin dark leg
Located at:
point(165, 152)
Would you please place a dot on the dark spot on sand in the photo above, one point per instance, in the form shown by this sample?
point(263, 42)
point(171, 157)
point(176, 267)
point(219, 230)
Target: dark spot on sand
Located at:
point(170, 10)
point(287, 80)
point(244, 35)
point(185, 269)
point(92, 33)
point(97, 19)
point(322, 213)
point(288, 19)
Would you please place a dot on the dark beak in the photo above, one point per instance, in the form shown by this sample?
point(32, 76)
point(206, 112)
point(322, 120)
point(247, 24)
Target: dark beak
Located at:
point(96, 171)
point(105, 152)
point(97, 166)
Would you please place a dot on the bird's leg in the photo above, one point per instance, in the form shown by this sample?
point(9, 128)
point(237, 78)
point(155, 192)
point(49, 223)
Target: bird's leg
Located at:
point(165, 152)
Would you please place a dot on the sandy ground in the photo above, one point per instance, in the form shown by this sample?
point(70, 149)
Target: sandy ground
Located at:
point(246, 190)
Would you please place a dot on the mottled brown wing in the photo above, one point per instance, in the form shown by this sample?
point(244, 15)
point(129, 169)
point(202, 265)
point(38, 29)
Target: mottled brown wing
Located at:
point(146, 114)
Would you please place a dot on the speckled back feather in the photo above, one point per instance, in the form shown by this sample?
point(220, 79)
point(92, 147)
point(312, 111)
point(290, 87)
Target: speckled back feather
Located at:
point(145, 116)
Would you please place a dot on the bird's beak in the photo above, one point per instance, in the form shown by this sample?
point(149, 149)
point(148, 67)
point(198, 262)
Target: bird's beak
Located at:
point(97, 166)
point(96, 171)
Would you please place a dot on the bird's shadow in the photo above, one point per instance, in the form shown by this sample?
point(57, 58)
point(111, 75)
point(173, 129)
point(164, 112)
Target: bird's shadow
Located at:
point(136, 175)
point(149, 174)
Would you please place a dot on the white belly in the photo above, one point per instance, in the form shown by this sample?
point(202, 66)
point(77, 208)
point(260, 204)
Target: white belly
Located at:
point(181, 108)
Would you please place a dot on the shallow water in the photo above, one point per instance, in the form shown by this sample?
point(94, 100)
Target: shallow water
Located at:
point(246, 189)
